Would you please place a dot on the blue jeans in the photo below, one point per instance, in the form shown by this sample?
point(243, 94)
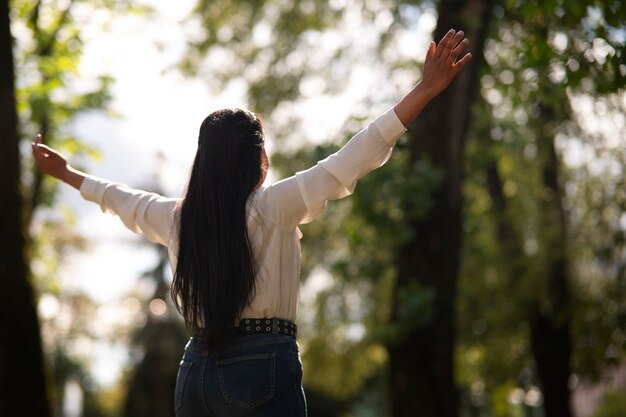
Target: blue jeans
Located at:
point(249, 375)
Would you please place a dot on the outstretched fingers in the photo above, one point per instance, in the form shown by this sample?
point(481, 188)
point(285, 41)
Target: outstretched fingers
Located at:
point(441, 46)
point(448, 43)
point(444, 64)
point(458, 66)
point(456, 52)
point(452, 46)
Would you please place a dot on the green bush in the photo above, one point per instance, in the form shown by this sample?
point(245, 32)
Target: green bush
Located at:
point(613, 404)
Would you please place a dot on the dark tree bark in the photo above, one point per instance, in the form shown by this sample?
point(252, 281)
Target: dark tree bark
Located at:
point(548, 310)
point(550, 334)
point(421, 366)
point(22, 377)
point(152, 385)
point(550, 319)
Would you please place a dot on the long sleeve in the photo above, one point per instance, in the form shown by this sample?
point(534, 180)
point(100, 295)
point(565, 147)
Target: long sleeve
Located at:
point(301, 198)
point(142, 212)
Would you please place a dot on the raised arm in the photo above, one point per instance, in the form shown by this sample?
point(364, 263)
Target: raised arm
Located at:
point(301, 198)
point(142, 212)
point(440, 68)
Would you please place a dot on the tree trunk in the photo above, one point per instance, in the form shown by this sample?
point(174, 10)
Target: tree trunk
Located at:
point(549, 313)
point(550, 316)
point(421, 365)
point(549, 327)
point(22, 377)
point(153, 381)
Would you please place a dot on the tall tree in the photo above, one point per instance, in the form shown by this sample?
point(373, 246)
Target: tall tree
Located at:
point(47, 52)
point(22, 379)
point(550, 316)
point(531, 88)
point(422, 365)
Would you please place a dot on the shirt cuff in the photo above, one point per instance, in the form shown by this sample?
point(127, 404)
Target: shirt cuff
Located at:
point(88, 187)
point(93, 188)
point(390, 126)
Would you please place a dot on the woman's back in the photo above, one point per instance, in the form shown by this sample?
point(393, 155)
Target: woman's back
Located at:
point(273, 213)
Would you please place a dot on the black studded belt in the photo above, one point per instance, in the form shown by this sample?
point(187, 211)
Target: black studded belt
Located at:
point(266, 325)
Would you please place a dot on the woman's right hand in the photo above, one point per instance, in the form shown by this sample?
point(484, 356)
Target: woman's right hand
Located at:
point(440, 68)
point(442, 63)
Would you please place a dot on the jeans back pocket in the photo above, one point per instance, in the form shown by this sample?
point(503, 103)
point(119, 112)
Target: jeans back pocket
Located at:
point(248, 381)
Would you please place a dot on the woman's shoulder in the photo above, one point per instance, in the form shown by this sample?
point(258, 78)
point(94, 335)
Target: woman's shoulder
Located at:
point(280, 203)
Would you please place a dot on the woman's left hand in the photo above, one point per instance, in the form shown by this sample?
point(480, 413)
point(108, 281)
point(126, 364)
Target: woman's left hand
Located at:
point(48, 160)
point(53, 163)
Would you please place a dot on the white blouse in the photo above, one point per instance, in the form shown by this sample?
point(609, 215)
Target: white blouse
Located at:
point(274, 212)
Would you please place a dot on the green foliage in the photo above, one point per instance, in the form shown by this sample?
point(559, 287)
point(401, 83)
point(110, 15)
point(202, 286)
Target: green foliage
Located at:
point(542, 59)
point(52, 93)
point(49, 48)
point(613, 404)
point(414, 310)
point(259, 42)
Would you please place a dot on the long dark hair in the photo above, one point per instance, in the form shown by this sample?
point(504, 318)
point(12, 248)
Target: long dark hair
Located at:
point(214, 278)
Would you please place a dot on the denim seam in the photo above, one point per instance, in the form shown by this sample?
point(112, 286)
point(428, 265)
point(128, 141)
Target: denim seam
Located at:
point(185, 368)
point(298, 386)
point(293, 360)
point(300, 392)
point(203, 370)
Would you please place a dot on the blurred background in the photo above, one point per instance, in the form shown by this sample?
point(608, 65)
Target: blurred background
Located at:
point(481, 272)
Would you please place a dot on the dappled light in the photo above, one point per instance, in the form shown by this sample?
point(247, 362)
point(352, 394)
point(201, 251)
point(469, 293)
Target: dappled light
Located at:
point(481, 272)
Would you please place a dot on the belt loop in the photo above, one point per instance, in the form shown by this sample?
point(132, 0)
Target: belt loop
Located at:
point(275, 327)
